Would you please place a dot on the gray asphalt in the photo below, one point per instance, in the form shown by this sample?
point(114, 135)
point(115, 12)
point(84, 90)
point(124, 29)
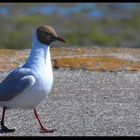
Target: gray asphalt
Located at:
point(84, 103)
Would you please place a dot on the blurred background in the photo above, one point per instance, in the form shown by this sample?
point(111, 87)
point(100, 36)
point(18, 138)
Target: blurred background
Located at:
point(81, 24)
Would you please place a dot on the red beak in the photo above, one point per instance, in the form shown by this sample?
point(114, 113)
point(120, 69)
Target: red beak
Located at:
point(60, 39)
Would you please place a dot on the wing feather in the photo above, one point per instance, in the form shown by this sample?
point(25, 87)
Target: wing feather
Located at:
point(15, 83)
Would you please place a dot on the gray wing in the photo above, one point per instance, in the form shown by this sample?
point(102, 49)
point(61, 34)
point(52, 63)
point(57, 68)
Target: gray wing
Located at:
point(15, 83)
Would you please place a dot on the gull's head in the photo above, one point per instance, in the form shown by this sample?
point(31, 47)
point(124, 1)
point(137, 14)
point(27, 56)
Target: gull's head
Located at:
point(47, 34)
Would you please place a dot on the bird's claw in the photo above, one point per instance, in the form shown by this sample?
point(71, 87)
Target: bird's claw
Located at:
point(5, 129)
point(46, 130)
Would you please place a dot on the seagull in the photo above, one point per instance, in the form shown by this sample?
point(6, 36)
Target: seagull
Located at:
point(26, 86)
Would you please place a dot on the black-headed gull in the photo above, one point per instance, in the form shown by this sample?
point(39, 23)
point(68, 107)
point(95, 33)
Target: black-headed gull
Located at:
point(28, 85)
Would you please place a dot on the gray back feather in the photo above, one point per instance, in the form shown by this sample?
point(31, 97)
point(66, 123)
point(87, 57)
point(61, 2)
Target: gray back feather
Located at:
point(15, 83)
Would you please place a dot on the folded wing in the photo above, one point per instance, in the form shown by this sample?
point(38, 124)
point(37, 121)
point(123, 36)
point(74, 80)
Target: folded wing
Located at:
point(15, 83)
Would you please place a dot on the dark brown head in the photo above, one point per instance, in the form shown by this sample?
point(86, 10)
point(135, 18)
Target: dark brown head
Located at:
point(46, 35)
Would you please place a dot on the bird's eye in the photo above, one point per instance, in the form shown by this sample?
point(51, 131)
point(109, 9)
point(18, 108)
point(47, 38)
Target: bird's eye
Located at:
point(48, 34)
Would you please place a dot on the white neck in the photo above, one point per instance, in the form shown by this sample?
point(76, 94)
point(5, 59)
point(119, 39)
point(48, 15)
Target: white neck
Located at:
point(39, 56)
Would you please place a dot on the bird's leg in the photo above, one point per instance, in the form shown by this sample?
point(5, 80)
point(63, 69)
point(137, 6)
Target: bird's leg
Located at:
point(3, 127)
point(43, 128)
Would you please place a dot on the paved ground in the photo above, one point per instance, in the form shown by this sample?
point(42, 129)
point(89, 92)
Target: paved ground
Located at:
point(84, 103)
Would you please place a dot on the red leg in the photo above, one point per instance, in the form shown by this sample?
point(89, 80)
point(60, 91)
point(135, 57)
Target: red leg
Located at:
point(3, 127)
point(43, 128)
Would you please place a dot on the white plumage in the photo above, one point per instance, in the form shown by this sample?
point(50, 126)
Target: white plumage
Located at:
point(40, 62)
